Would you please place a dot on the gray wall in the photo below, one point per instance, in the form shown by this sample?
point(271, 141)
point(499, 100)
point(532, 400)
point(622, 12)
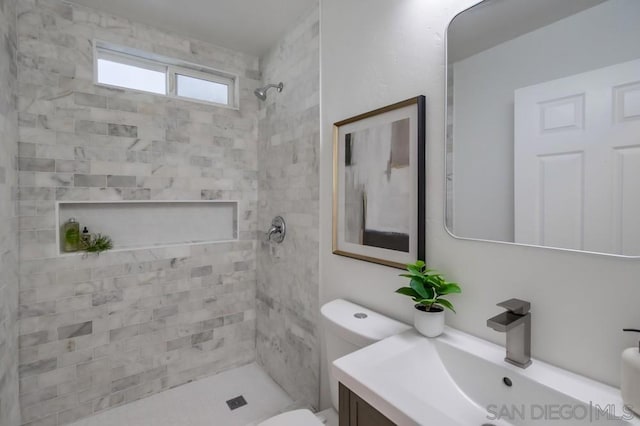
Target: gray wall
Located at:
point(9, 408)
point(99, 332)
point(287, 306)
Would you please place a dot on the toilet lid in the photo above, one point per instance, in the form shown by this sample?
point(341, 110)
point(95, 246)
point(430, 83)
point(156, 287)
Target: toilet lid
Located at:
point(293, 418)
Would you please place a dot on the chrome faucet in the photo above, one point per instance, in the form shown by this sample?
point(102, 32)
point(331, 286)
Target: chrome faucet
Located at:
point(516, 322)
point(277, 231)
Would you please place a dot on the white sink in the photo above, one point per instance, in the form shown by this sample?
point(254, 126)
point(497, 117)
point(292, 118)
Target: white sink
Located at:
point(457, 379)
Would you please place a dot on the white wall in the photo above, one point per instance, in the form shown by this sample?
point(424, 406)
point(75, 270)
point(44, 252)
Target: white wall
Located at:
point(375, 52)
point(484, 86)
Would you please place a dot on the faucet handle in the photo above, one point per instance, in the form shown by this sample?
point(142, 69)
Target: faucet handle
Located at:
point(516, 306)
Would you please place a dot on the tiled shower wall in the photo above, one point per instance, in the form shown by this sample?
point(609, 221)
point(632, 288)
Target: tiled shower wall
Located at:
point(101, 331)
point(289, 140)
point(9, 408)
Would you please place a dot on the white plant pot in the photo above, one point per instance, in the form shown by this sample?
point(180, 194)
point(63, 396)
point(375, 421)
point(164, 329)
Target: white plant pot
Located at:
point(430, 324)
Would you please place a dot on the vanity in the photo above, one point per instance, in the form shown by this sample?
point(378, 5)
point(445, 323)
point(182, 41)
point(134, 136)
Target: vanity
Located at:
point(355, 411)
point(459, 380)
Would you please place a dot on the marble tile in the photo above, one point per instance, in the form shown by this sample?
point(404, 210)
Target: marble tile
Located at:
point(123, 130)
point(121, 181)
point(88, 99)
point(38, 367)
point(132, 323)
point(9, 240)
point(36, 164)
point(87, 126)
point(288, 341)
point(75, 330)
point(99, 181)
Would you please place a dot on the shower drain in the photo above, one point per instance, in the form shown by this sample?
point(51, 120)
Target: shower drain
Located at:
point(236, 402)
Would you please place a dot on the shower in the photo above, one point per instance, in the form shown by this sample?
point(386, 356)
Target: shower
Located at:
point(261, 92)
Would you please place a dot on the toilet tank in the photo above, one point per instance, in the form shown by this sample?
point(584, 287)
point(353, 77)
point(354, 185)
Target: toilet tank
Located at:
point(349, 327)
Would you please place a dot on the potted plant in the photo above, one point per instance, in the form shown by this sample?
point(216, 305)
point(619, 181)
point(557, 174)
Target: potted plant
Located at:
point(427, 288)
point(97, 244)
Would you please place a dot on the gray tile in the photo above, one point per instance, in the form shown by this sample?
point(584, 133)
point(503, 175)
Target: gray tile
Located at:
point(37, 309)
point(94, 181)
point(181, 342)
point(124, 332)
point(121, 181)
point(72, 166)
point(91, 127)
point(213, 323)
point(126, 382)
point(107, 297)
point(75, 330)
point(202, 337)
point(34, 339)
point(234, 318)
point(36, 164)
point(136, 194)
point(122, 105)
point(87, 99)
point(201, 271)
point(38, 367)
point(123, 130)
point(165, 312)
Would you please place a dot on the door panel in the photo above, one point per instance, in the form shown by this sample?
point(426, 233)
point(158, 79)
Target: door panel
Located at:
point(576, 147)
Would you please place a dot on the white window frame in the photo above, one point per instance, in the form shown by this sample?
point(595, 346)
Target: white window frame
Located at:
point(171, 67)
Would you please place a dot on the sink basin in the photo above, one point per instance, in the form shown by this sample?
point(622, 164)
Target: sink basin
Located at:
point(458, 379)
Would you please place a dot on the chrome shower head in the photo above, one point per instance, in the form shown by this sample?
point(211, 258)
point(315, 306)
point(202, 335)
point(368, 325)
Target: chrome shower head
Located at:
point(261, 92)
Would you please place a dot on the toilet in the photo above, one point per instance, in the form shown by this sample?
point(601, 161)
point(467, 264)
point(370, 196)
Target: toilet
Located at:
point(347, 327)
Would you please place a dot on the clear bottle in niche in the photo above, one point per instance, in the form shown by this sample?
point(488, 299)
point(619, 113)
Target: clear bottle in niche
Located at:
point(70, 236)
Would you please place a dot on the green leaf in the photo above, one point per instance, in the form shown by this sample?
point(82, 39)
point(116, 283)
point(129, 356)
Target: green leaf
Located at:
point(419, 265)
point(435, 282)
point(419, 287)
point(412, 275)
point(446, 304)
point(450, 288)
point(419, 275)
point(408, 291)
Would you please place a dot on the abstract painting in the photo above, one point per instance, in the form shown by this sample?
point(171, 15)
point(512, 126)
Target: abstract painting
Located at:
point(379, 184)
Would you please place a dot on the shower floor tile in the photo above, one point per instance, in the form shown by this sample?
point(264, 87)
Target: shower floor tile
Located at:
point(203, 402)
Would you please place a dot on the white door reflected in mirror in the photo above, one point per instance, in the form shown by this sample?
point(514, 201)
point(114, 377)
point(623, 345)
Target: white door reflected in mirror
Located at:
point(543, 141)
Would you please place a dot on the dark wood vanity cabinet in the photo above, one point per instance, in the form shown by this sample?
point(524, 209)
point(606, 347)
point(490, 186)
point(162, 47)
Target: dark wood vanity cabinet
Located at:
point(355, 411)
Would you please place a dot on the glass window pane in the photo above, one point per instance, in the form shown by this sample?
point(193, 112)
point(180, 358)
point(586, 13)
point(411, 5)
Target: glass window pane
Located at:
point(203, 90)
point(131, 77)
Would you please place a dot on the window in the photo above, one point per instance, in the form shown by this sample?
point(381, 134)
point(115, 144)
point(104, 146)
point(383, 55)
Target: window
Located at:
point(116, 70)
point(131, 69)
point(204, 90)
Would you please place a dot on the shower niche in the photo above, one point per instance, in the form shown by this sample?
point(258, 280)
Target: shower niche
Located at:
point(150, 224)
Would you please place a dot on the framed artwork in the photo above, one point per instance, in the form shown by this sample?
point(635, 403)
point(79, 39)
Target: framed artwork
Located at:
point(379, 184)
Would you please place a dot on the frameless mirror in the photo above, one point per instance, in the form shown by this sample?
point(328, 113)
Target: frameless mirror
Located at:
point(543, 124)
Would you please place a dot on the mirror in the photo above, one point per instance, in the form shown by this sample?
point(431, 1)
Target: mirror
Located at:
point(543, 124)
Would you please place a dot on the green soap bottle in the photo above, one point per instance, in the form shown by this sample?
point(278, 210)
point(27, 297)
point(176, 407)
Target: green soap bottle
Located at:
point(71, 236)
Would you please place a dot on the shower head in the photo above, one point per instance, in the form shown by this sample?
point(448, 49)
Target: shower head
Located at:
point(261, 92)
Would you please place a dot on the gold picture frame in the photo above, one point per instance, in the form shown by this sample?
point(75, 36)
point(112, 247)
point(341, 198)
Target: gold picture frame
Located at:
point(359, 190)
